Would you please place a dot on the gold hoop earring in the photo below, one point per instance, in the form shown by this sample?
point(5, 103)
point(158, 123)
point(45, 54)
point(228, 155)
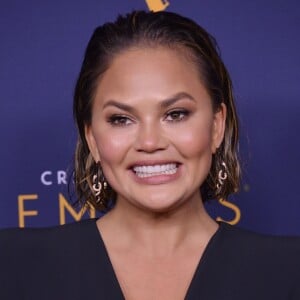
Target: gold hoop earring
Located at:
point(99, 184)
point(222, 176)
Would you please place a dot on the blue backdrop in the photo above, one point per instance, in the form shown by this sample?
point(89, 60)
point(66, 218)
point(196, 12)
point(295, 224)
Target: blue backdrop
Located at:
point(42, 46)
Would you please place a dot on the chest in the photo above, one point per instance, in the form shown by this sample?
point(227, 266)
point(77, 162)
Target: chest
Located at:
point(163, 278)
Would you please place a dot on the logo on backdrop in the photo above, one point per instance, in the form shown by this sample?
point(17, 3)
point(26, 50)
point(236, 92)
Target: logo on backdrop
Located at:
point(51, 179)
point(157, 5)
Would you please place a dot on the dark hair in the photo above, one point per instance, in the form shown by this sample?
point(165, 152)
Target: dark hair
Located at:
point(153, 29)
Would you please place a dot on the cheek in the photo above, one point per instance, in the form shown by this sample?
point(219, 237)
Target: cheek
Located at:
point(195, 140)
point(112, 146)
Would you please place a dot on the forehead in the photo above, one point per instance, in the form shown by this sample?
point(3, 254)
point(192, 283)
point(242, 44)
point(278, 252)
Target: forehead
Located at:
point(153, 72)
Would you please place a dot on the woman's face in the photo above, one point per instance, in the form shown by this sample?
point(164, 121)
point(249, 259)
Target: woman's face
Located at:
point(153, 128)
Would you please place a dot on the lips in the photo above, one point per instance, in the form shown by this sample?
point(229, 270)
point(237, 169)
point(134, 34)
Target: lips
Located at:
point(144, 170)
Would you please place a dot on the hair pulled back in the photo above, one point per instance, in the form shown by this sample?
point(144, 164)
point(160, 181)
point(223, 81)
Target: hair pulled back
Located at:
point(153, 29)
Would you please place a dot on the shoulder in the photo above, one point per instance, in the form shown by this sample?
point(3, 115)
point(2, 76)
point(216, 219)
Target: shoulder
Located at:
point(258, 258)
point(22, 241)
point(46, 262)
point(57, 231)
point(259, 244)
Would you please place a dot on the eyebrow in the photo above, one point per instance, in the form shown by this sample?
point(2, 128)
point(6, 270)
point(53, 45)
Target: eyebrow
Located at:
point(173, 99)
point(164, 104)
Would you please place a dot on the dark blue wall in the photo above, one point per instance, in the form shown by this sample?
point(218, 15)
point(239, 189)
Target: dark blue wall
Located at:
point(42, 45)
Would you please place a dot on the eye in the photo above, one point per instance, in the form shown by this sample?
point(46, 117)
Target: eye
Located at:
point(177, 115)
point(119, 120)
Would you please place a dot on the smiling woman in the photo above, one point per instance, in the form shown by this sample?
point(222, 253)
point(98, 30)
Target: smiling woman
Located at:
point(158, 136)
point(161, 117)
point(143, 64)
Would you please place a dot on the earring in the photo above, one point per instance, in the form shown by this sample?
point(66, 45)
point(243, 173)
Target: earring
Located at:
point(99, 184)
point(222, 176)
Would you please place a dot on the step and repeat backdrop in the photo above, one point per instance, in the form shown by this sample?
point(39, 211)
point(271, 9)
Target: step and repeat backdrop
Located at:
point(41, 50)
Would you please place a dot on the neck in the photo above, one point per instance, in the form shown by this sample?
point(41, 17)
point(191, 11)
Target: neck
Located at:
point(160, 233)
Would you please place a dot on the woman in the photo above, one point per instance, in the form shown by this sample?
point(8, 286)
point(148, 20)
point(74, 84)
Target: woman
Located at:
point(157, 137)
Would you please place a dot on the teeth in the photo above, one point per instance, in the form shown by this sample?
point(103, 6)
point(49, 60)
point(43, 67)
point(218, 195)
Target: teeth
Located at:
point(147, 171)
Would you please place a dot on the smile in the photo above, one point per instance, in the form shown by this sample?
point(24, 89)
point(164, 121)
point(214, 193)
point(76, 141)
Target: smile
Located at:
point(155, 170)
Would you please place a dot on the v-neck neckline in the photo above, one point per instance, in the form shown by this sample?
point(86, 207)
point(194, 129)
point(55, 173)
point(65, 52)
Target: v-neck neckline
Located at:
point(203, 261)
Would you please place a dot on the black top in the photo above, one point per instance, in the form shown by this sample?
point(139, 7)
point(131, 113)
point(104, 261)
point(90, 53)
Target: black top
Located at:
point(71, 262)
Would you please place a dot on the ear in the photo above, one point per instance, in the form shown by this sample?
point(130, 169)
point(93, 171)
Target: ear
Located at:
point(218, 129)
point(89, 136)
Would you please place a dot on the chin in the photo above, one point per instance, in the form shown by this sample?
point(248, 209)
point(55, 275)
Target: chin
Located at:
point(159, 207)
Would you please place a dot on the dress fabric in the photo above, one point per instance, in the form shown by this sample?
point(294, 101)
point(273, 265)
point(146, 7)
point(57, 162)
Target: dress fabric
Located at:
point(70, 262)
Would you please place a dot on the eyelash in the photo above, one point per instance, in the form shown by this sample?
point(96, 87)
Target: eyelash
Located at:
point(122, 120)
point(183, 114)
point(118, 120)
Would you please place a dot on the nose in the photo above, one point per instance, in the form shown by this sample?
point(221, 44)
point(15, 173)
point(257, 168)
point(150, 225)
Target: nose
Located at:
point(150, 138)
